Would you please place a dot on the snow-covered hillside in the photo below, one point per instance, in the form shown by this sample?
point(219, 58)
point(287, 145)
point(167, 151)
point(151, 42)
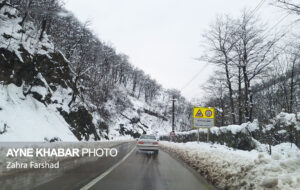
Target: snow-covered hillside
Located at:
point(23, 118)
point(41, 98)
point(139, 117)
point(23, 115)
point(36, 85)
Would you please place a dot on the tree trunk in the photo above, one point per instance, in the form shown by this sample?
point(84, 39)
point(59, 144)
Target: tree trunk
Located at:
point(139, 94)
point(250, 102)
point(75, 92)
point(24, 18)
point(43, 29)
point(230, 93)
point(240, 96)
point(246, 94)
point(292, 87)
point(134, 84)
point(223, 109)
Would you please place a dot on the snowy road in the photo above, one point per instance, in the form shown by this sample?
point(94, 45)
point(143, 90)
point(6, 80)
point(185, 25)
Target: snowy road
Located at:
point(140, 170)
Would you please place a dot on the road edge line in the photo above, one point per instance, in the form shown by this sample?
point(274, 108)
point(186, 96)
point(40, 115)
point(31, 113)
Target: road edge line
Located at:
point(94, 181)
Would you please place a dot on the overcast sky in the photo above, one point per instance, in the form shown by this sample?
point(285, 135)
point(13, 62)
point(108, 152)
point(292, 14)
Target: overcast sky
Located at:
point(163, 37)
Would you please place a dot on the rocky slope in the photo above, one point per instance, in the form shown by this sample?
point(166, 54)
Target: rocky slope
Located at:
point(37, 89)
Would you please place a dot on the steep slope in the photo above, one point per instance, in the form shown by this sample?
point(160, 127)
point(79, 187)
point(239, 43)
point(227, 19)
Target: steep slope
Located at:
point(45, 96)
point(139, 117)
point(36, 87)
point(23, 118)
point(133, 116)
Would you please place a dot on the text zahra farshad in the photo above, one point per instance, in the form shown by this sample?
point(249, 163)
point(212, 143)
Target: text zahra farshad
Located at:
point(61, 152)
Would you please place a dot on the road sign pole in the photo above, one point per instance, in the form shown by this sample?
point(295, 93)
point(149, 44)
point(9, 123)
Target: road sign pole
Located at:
point(198, 136)
point(208, 131)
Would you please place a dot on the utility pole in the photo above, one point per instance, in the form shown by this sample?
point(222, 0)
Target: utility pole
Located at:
point(173, 113)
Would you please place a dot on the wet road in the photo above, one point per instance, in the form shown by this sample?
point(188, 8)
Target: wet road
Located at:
point(146, 171)
point(72, 174)
point(139, 171)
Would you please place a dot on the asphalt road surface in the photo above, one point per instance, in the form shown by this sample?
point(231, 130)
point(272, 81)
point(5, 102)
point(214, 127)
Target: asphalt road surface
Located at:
point(147, 171)
point(131, 169)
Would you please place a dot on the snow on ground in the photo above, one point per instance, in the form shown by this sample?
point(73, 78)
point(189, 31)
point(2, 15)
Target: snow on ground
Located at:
point(120, 138)
point(237, 169)
point(244, 128)
point(26, 119)
point(135, 109)
point(25, 36)
point(287, 119)
point(55, 145)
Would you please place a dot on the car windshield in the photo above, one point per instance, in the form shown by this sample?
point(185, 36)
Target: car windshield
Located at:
point(148, 137)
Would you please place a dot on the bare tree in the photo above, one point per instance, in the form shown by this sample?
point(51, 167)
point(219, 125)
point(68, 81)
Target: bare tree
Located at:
point(254, 50)
point(293, 6)
point(220, 42)
point(216, 88)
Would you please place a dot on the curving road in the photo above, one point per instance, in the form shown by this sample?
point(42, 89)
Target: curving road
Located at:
point(131, 169)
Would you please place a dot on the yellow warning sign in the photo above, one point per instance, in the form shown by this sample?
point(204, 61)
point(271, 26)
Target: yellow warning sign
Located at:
point(204, 112)
point(199, 113)
point(203, 117)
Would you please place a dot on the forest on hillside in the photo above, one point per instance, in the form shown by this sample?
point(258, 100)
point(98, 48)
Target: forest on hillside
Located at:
point(96, 66)
point(105, 86)
point(257, 73)
point(258, 67)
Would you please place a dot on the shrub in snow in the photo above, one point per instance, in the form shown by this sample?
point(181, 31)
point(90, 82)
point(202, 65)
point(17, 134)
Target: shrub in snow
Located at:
point(54, 139)
point(3, 128)
point(283, 128)
point(238, 140)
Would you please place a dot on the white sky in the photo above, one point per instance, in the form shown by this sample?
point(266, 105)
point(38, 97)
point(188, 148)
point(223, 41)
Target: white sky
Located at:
point(163, 37)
